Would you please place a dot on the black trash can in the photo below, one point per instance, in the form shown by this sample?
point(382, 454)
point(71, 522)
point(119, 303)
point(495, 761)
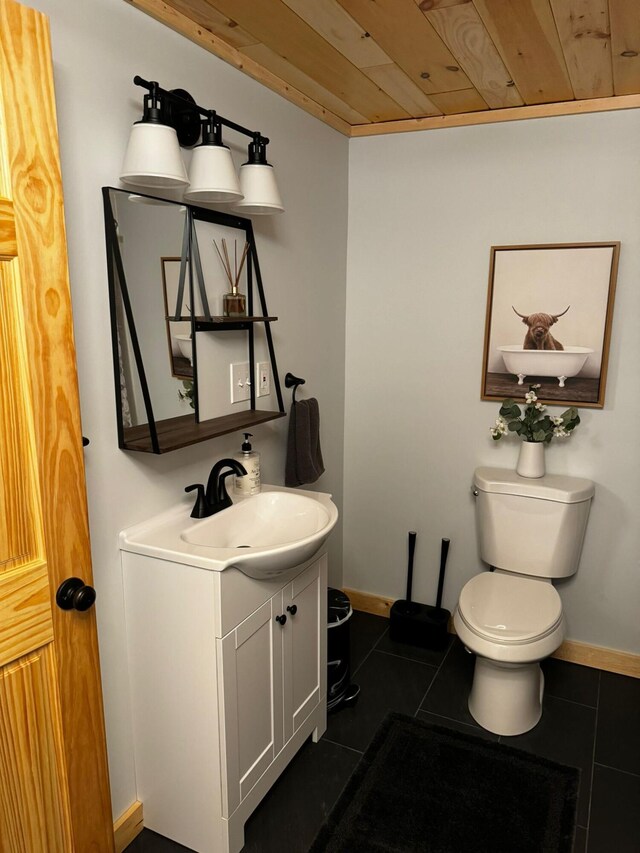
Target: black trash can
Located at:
point(340, 692)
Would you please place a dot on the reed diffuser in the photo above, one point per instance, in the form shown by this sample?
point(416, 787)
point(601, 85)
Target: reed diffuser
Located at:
point(234, 303)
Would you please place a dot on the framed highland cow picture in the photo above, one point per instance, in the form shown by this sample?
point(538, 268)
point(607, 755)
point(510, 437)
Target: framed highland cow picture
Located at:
point(549, 313)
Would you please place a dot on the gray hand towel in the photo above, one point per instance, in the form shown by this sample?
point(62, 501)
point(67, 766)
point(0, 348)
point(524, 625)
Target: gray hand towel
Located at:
point(304, 458)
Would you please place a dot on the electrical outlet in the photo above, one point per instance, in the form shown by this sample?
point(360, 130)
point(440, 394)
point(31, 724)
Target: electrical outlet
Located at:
point(240, 382)
point(263, 378)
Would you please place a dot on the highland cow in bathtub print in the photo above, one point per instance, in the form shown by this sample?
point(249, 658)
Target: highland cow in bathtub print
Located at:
point(564, 297)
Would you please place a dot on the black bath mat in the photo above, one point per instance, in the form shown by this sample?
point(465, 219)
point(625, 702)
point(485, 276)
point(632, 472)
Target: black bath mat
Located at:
point(426, 789)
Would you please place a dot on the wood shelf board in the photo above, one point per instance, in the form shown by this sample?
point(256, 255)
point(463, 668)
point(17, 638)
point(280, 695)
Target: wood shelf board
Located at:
point(229, 324)
point(223, 320)
point(174, 433)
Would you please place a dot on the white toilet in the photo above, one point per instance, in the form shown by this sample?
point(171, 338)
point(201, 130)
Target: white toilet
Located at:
point(530, 532)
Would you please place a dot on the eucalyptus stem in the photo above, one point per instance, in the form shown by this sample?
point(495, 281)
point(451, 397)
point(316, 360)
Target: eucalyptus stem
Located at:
point(533, 425)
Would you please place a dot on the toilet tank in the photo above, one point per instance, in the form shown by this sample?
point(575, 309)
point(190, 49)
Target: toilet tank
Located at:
point(531, 527)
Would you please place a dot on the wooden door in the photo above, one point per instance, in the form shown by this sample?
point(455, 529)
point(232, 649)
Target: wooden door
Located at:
point(54, 793)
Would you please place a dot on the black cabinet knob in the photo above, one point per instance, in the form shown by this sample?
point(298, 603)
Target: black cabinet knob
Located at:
point(292, 609)
point(281, 619)
point(74, 594)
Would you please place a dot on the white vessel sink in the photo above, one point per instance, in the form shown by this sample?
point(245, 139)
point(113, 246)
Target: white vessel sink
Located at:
point(263, 536)
point(268, 532)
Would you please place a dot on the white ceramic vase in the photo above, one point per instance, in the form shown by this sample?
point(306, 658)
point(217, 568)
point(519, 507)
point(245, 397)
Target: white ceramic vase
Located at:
point(531, 459)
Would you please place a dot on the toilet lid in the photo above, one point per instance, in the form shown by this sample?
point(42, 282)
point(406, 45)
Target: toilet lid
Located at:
point(509, 608)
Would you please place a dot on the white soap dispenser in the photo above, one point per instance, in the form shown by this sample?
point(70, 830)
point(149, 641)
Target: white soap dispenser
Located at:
point(249, 484)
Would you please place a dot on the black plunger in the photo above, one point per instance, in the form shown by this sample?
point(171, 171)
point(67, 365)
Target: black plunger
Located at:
point(412, 549)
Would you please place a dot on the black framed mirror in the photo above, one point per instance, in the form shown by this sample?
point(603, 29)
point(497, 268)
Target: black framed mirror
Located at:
point(188, 310)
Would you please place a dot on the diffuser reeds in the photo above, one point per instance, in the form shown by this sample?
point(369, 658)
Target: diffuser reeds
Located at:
point(233, 274)
point(233, 303)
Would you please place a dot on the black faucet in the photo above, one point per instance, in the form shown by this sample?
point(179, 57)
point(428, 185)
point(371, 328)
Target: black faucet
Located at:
point(215, 497)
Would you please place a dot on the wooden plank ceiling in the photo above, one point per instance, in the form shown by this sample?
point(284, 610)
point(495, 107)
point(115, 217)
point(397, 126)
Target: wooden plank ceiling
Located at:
point(380, 66)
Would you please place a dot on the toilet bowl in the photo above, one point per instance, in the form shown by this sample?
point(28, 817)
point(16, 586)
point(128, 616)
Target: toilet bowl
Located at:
point(510, 623)
point(530, 532)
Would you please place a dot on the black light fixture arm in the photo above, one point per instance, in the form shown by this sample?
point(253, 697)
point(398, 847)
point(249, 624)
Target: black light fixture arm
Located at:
point(184, 103)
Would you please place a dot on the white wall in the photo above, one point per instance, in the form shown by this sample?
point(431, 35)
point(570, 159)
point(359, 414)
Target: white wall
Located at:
point(98, 47)
point(424, 210)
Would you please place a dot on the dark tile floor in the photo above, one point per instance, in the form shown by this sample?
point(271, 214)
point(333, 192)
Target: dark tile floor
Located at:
point(591, 720)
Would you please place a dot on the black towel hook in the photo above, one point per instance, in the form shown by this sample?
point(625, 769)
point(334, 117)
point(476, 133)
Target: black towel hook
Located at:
point(291, 381)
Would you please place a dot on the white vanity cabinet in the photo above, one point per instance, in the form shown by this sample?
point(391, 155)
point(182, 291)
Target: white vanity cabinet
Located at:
point(228, 679)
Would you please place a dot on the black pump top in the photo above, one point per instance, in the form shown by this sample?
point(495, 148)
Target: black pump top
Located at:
point(246, 445)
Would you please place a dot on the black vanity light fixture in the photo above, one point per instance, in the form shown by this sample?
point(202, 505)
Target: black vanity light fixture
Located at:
point(172, 119)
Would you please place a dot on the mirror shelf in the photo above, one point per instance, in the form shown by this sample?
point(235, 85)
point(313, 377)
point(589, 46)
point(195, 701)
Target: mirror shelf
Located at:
point(222, 324)
point(167, 278)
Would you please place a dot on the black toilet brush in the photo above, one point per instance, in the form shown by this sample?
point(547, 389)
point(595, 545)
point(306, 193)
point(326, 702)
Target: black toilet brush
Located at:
point(421, 624)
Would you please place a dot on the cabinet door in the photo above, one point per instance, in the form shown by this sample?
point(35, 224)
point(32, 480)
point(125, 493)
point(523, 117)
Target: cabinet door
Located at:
point(250, 694)
point(304, 644)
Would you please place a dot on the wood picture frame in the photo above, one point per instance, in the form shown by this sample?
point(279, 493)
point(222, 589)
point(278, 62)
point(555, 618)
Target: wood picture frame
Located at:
point(563, 293)
point(180, 363)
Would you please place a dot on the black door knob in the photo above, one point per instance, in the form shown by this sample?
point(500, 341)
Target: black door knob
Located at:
point(74, 594)
point(281, 619)
point(292, 609)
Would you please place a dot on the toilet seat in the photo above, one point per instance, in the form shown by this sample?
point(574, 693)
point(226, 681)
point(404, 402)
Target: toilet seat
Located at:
point(509, 609)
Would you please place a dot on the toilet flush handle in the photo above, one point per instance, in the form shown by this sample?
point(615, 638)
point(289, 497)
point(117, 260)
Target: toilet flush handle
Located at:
point(474, 492)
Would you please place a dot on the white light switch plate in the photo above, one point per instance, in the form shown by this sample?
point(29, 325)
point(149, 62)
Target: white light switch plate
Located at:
point(263, 378)
point(240, 382)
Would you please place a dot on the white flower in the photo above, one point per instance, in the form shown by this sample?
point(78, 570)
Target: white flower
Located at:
point(500, 428)
point(537, 386)
point(540, 407)
point(557, 421)
point(530, 397)
point(561, 432)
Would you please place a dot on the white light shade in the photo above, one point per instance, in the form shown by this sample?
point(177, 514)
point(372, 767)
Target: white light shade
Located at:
point(153, 157)
point(212, 175)
point(258, 185)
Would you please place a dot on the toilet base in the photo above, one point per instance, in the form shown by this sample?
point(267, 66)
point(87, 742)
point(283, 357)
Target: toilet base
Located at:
point(506, 698)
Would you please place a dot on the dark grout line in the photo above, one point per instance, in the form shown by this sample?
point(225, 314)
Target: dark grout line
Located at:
point(350, 748)
point(571, 701)
point(405, 657)
point(451, 720)
point(433, 680)
point(593, 760)
point(617, 769)
point(384, 634)
point(366, 657)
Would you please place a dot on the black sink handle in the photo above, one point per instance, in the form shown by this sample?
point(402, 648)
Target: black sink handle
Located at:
point(201, 507)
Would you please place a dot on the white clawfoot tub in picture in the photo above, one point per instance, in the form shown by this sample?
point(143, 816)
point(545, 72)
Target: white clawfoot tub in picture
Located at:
point(562, 364)
point(185, 347)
